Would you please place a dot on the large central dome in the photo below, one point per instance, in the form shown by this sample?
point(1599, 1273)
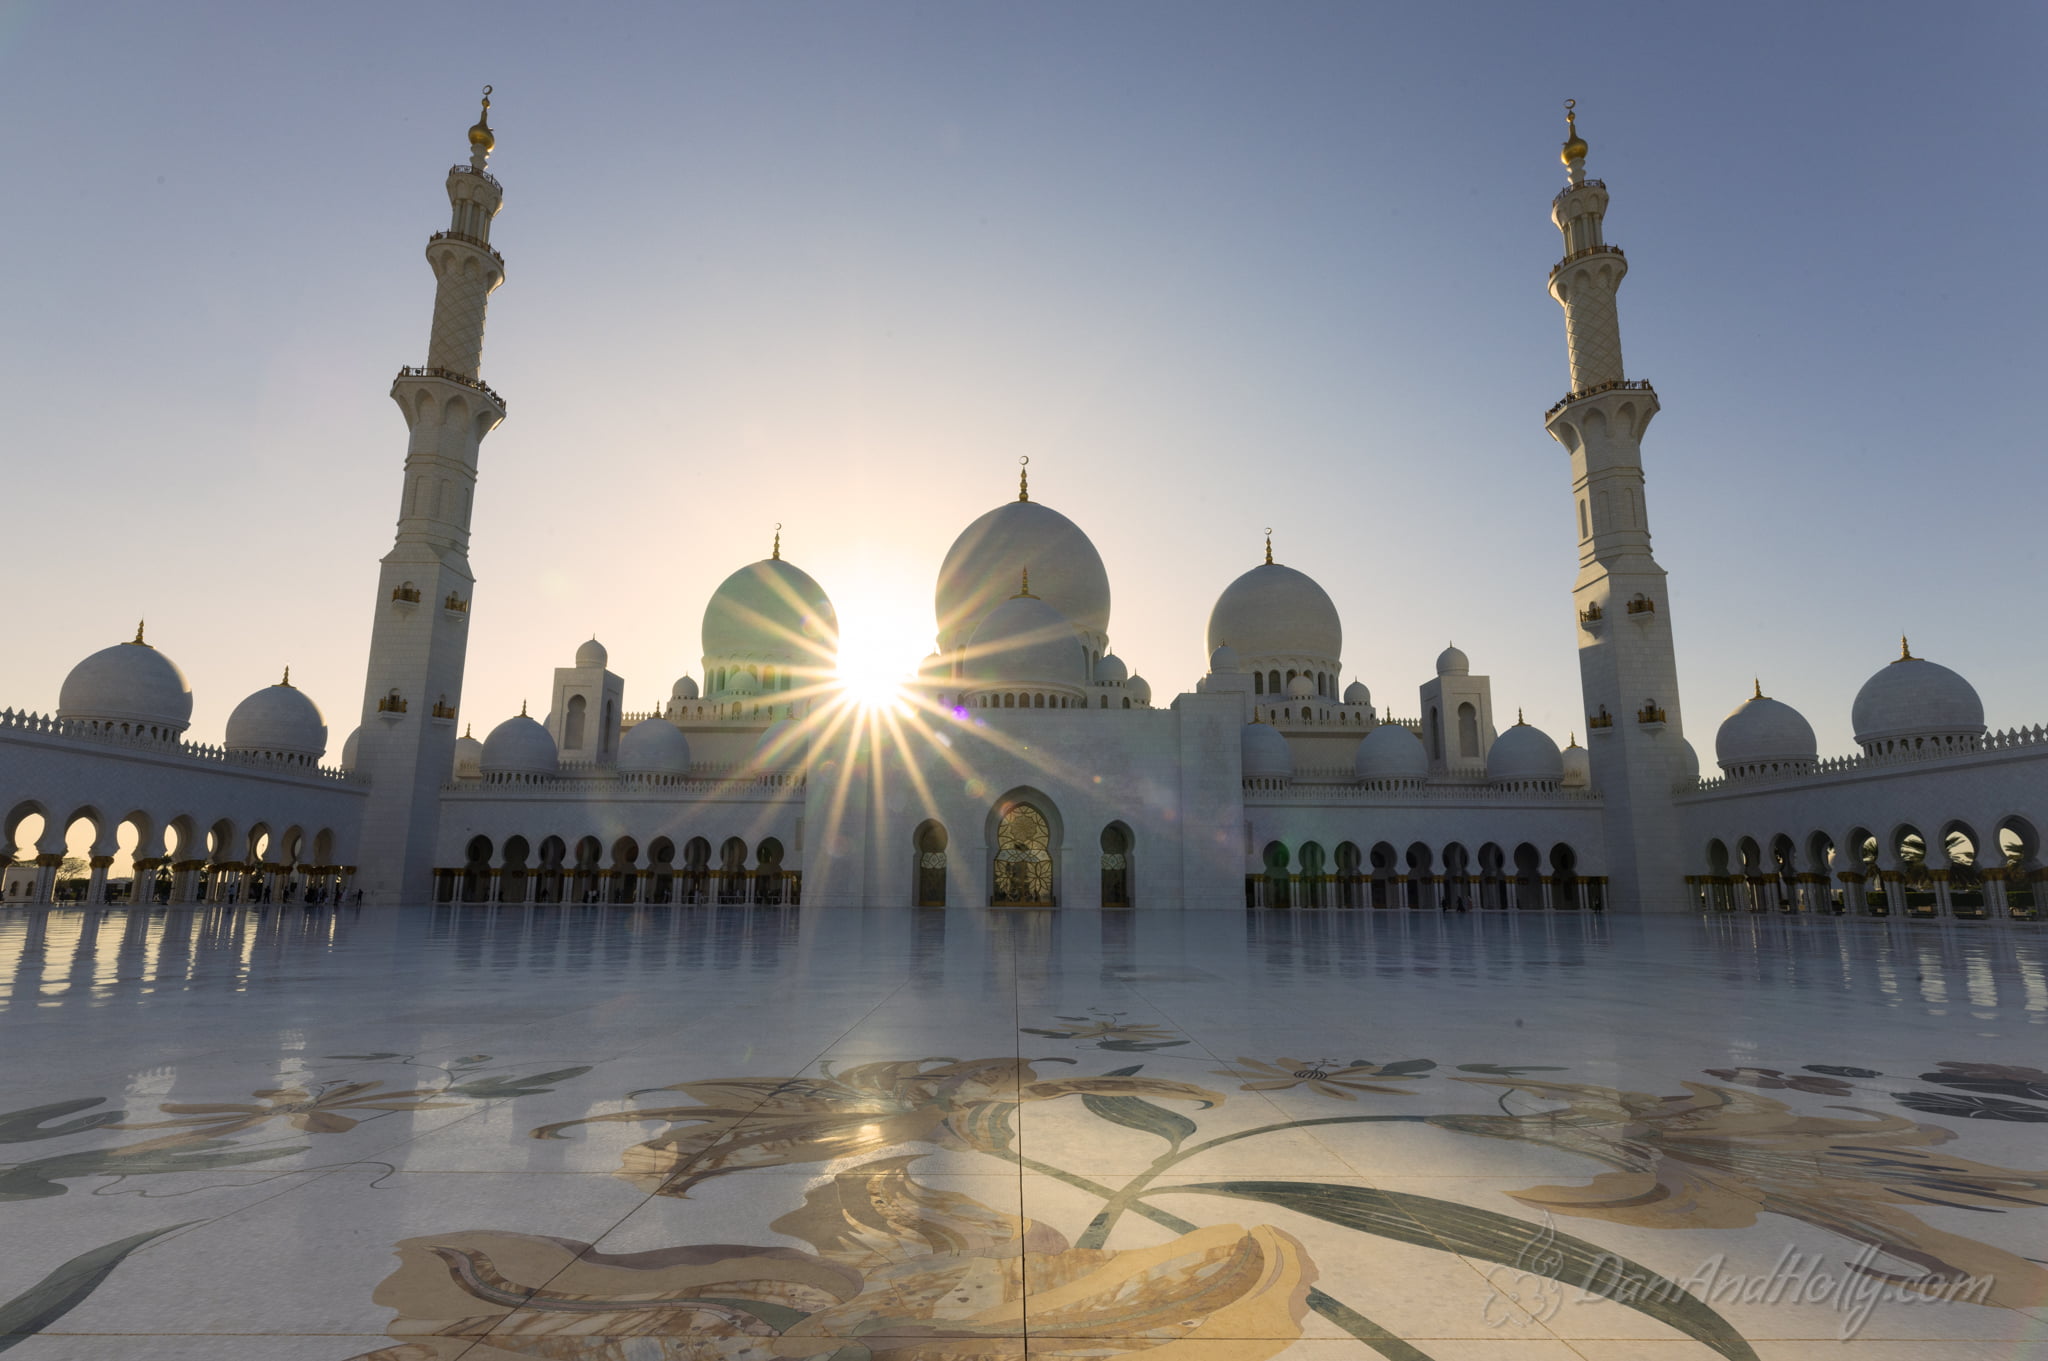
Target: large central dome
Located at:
point(771, 611)
point(1275, 611)
point(984, 564)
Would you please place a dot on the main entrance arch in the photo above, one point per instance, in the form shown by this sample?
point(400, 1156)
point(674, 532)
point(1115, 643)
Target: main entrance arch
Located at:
point(1025, 833)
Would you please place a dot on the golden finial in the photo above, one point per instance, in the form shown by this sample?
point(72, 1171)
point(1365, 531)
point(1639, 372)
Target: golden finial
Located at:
point(287, 681)
point(1574, 145)
point(481, 139)
point(776, 555)
point(522, 708)
point(1269, 545)
point(465, 730)
point(1520, 722)
point(1574, 740)
point(1023, 477)
point(1758, 683)
point(1025, 593)
point(138, 631)
point(1905, 653)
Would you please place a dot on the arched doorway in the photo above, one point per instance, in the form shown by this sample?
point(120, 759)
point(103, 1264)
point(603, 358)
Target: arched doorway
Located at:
point(931, 865)
point(768, 880)
point(476, 871)
point(512, 878)
point(1116, 865)
point(1350, 875)
point(696, 871)
point(1276, 860)
point(1312, 875)
point(1023, 858)
point(732, 871)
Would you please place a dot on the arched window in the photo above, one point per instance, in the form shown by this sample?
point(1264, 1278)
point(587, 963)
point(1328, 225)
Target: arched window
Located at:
point(604, 738)
point(1127, 701)
point(1038, 701)
point(1273, 683)
point(1468, 731)
point(1105, 701)
point(1009, 701)
point(931, 865)
point(1436, 733)
point(572, 723)
point(1023, 875)
point(1116, 866)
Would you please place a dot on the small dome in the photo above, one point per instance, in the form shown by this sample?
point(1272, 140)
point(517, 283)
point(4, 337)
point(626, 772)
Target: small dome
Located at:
point(1453, 662)
point(1023, 641)
point(1275, 611)
point(654, 746)
point(1688, 764)
point(348, 749)
point(772, 611)
point(1356, 693)
point(684, 688)
point(1578, 766)
point(1915, 698)
point(742, 683)
point(469, 757)
point(1266, 753)
point(1764, 729)
point(1223, 659)
point(520, 746)
point(592, 653)
point(782, 747)
point(1140, 689)
point(1390, 752)
point(1524, 753)
point(1301, 687)
point(1111, 670)
point(129, 683)
point(280, 720)
point(982, 567)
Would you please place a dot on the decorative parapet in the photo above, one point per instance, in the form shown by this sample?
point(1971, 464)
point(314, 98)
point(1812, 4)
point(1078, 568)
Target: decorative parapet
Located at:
point(442, 709)
point(459, 379)
point(1408, 791)
point(409, 594)
point(585, 779)
point(1599, 722)
point(1992, 746)
point(1649, 713)
point(1642, 604)
point(455, 604)
point(20, 723)
point(392, 703)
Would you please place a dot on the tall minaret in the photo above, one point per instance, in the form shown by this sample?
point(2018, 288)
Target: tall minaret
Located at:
point(1626, 667)
point(417, 644)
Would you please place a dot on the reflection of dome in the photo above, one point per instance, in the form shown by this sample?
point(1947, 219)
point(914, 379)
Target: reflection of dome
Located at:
point(348, 749)
point(1763, 730)
point(1453, 662)
point(1111, 670)
point(1275, 611)
point(1301, 687)
point(771, 611)
point(1223, 659)
point(1141, 690)
point(685, 688)
point(1266, 754)
point(1025, 641)
point(983, 565)
point(781, 747)
point(520, 746)
point(592, 653)
point(469, 757)
point(1578, 766)
point(654, 746)
point(278, 720)
point(1356, 693)
point(1915, 699)
point(129, 685)
point(1524, 753)
point(1390, 752)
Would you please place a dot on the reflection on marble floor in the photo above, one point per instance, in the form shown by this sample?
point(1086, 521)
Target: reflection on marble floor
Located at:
point(616, 1135)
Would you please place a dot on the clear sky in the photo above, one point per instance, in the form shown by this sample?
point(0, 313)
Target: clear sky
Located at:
point(1212, 267)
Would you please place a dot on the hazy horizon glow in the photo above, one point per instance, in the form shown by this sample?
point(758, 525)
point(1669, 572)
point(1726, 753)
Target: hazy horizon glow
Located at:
point(1211, 267)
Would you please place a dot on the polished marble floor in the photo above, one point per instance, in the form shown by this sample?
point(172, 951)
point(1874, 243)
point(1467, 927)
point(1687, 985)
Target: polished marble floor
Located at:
point(623, 1135)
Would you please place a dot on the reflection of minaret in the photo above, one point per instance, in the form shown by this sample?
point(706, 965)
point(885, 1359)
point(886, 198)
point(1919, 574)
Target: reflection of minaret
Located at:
point(1626, 667)
point(418, 641)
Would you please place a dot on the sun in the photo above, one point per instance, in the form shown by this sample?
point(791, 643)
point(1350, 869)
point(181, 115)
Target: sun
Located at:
point(880, 645)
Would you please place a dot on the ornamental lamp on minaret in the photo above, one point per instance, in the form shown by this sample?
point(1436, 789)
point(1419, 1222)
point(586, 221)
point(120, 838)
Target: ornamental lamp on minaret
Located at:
point(1627, 669)
point(419, 638)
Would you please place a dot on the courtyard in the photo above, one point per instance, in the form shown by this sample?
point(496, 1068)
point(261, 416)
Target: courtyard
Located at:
point(635, 1133)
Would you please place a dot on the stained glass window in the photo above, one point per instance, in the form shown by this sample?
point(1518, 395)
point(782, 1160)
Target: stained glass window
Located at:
point(1023, 858)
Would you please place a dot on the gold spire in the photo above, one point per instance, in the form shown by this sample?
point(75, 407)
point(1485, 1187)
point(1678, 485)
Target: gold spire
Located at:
point(1023, 477)
point(522, 708)
point(287, 681)
point(481, 138)
point(138, 632)
point(1520, 722)
point(1759, 684)
point(465, 730)
point(1574, 740)
point(1269, 545)
point(1905, 653)
point(776, 555)
point(1025, 593)
point(1574, 145)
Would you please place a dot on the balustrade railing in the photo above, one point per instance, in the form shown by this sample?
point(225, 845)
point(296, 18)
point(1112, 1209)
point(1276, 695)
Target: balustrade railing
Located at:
point(1618, 385)
point(22, 723)
point(459, 379)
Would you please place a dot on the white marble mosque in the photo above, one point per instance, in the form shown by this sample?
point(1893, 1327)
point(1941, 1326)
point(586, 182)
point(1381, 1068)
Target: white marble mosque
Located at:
point(1037, 767)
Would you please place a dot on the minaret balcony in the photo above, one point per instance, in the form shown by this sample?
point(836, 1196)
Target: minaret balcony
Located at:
point(1588, 252)
point(459, 379)
point(466, 239)
point(1618, 385)
point(1593, 619)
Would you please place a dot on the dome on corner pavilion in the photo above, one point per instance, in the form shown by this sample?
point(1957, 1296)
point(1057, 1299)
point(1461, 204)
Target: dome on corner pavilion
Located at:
point(129, 683)
point(278, 718)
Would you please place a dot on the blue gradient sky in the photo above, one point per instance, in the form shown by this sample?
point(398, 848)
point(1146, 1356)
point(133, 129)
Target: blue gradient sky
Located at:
point(1213, 267)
